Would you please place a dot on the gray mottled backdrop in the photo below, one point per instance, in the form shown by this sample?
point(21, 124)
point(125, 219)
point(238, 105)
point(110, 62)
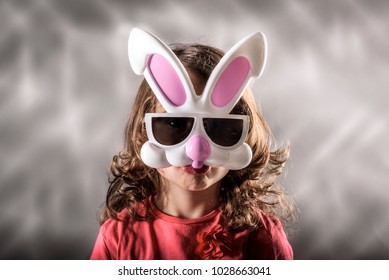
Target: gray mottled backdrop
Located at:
point(66, 88)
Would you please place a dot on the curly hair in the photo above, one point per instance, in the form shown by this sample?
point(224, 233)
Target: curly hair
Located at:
point(243, 194)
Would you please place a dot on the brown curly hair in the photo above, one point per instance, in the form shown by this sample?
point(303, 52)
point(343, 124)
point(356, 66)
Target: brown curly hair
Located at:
point(243, 192)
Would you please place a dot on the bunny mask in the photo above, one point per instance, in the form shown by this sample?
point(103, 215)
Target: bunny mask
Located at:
point(196, 130)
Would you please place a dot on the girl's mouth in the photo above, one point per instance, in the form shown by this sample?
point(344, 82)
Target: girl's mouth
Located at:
point(196, 172)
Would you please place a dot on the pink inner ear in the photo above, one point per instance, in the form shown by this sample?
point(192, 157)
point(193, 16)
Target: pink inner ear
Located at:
point(167, 79)
point(230, 81)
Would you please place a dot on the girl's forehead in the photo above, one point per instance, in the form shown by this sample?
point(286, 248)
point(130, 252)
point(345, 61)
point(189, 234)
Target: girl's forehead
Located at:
point(159, 108)
point(197, 83)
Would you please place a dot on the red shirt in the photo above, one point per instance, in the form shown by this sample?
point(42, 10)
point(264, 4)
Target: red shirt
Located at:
point(167, 237)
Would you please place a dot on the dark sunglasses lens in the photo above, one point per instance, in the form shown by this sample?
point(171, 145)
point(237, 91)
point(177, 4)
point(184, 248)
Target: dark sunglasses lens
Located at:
point(224, 132)
point(171, 130)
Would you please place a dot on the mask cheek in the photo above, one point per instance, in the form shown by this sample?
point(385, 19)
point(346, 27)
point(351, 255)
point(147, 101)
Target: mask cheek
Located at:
point(218, 157)
point(153, 156)
point(156, 157)
point(177, 156)
point(232, 160)
point(240, 158)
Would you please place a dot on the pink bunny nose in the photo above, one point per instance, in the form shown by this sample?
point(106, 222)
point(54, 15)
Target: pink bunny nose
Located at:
point(198, 150)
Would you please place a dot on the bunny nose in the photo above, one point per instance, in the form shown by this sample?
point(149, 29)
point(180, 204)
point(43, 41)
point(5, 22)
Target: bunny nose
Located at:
point(198, 150)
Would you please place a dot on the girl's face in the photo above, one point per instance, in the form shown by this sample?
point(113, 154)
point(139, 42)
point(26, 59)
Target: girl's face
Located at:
point(187, 177)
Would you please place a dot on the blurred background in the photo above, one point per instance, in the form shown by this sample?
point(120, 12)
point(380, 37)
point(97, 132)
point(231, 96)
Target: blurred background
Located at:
point(66, 89)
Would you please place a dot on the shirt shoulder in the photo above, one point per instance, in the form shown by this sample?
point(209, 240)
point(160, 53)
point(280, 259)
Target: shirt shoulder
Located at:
point(110, 236)
point(269, 240)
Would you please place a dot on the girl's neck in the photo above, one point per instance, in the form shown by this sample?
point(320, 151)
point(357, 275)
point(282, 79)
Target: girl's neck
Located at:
point(187, 204)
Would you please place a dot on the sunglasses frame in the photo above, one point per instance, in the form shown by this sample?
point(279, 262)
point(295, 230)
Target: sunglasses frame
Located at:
point(197, 128)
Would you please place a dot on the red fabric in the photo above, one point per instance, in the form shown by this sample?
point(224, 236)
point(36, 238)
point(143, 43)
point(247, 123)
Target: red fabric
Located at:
point(167, 237)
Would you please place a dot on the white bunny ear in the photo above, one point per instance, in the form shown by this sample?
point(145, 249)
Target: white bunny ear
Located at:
point(229, 79)
point(161, 68)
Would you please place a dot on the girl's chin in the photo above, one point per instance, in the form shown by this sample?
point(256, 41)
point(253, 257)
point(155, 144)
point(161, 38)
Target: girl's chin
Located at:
point(196, 172)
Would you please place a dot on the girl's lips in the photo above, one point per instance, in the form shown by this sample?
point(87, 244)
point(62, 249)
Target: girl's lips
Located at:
point(196, 172)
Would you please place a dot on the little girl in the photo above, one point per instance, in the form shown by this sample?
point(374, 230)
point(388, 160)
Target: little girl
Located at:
point(197, 176)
